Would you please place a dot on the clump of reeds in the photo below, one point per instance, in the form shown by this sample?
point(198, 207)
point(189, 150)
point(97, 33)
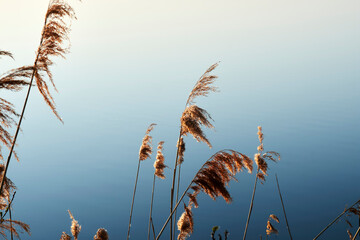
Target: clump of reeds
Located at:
point(212, 179)
point(192, 119)
point(144, 153)
point(262, 168)
point(159, 172)
point(270, 229)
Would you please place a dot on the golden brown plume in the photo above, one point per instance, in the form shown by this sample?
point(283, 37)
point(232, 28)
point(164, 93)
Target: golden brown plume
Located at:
point(75, 227)
point(159, 163)
point(101, 234)
point(185, 223)
point(146, 148)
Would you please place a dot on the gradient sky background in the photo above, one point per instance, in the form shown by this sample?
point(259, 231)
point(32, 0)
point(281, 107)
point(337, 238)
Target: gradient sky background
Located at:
point(290, 66)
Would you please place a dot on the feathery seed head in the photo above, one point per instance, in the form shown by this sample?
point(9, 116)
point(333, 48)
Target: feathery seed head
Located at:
point(185, 223)
point(191, 121)
point(65, 236)
point(159, 163)
point(101, 234)
point(270, 229)
point(146, 148)
point(181, 146)
point(75, 227)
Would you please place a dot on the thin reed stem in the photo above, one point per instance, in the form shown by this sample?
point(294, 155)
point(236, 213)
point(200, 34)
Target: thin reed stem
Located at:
point(357, 233)
point(133, 198)
point(177, 198)
point(251, 204)
point(11, 228)
point(22, 112)
point(153, 228)
point(173, 185)
point(151, 207)
point(7, 208)
point(282, 203)
point(317, 236)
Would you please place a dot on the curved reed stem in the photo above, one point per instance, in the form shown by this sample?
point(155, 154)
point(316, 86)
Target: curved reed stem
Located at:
point(283, 207)
point(11, 228)
point(251, 205)
point(133, 198)
point(358, 201)
point(151, 207)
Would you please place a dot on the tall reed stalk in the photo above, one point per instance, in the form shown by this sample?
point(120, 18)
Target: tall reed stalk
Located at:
point(144, 153)
point(53, 35)
point(283, 207)
point(159, 172)
point(190, 123)
point(261, 166)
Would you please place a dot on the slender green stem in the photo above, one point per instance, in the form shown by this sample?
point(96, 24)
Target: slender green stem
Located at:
point(133, 198)
point(151, 206)
point(335, 220)
point(357, 233)
point(251, 204)
point(282, 203)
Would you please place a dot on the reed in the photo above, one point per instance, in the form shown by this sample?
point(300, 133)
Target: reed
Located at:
point(101, 234)
point(54, 34)
point(191, 120)
point(159, 172)
point(270, 229)
point(260, 160)
point(339, 216)
point(75, 226)
point(144, 153)
point(212, 179)
point(283, 207)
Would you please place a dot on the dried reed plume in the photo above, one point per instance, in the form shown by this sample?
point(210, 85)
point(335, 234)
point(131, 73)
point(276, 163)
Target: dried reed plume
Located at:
point(144, 153)
point(213, 177)
point(269, 227)
point(159, 163)
point(7, 114)
point(65, 236)
point(8, 188)
point(75, 227)
point(181, 146)
point(191, 120)
point(10, 225)
point(6, 53)
point(145, 148)
point(260, 160)
point(185, 223)
point(101, 234)
point(16, 78)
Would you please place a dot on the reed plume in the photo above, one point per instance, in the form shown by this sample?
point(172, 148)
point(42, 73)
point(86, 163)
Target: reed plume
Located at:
point(213, 178)
point(260, 160)
point(191, 121)
point(65, 236)
point(270, 229)
point(144, 153)
point(159, 172)
point(12, 225)
point(101, 234)
point(9, 187)
point(54, 34)
point(185, 223)
point(75, 227)
point(6, 53)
